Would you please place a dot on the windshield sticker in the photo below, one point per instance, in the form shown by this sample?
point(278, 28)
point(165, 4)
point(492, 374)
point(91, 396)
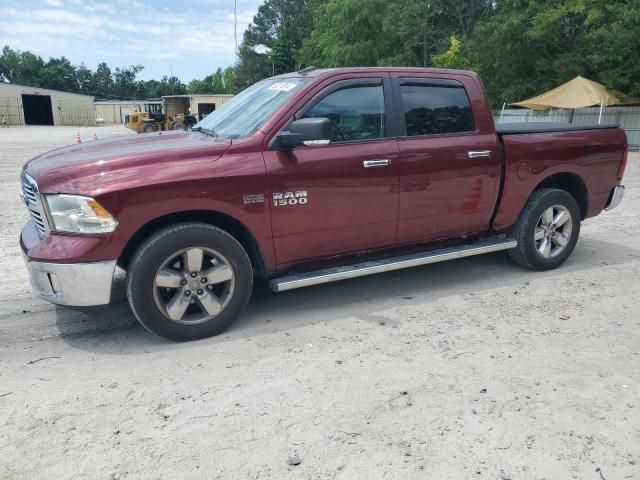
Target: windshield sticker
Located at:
point(282, 86)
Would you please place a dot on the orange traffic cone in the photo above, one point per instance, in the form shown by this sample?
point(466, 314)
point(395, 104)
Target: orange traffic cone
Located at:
point(78, 138)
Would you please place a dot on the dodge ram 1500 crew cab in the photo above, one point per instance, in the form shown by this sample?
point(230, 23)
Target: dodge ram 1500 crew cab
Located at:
point(304, 178)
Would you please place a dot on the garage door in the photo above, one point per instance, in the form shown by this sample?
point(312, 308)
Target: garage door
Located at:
point(123, 114)
point(37, 109)
point(205, 109)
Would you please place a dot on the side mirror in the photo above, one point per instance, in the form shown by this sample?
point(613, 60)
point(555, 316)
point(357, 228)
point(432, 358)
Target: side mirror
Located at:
point(306, 131)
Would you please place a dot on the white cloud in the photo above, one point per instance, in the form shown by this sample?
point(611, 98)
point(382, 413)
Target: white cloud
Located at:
point(125, 32)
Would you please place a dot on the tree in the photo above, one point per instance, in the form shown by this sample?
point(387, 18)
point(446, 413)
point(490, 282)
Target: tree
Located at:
point(527, 47)
point(82, 79)
point(217, 81)
point(22, 68)
point(251, 67)
point(615, 45)
point(228, 78)
point(9, 64)
point(124, 81)
point(171, 86)
point(274, 39)
point(453, 57)
point(199, 86)
point(388, 32)
point(348, 33)
point(58, 74)
point(101, 84)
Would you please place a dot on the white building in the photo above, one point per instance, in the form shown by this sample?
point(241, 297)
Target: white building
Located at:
point(199, 104)
point(115, 111)
point(21, 105)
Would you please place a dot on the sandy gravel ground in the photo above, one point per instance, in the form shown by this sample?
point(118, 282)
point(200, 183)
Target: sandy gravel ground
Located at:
point(466, 370)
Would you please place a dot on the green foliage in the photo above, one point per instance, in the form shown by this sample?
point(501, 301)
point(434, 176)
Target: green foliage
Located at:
point(199, 86)
point(272, 43)
point(453, 57)
point(25, 68)
point(526, 48)
point(520, 47)
point(228, 80)
point(388, 32)
point(222, 81)
point(347, 33)
point(101, 81)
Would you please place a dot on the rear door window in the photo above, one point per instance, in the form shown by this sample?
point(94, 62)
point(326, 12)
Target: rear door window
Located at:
point(435, 109)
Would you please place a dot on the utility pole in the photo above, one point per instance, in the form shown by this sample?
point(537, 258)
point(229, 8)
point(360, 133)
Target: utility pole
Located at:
point(424, 39)
point(235, 25)
point(170, 77)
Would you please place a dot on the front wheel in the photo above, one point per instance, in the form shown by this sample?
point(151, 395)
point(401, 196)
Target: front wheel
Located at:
point(547, 230)
point(189, 281)
point(147, 128)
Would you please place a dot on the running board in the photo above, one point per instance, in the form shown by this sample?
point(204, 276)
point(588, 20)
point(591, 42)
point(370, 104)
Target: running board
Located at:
point(335, 274)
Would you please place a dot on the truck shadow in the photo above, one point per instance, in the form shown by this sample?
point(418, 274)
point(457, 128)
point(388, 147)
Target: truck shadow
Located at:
point(112, 329)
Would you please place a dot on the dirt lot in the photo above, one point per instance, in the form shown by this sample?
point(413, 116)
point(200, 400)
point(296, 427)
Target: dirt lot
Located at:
point(469, 369)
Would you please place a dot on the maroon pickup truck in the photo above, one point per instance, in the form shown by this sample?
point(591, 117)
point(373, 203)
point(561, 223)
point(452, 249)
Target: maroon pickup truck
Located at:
point(306, 178)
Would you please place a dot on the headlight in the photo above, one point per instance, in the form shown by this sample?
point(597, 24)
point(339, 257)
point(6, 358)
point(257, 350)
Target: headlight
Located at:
point(78, 214)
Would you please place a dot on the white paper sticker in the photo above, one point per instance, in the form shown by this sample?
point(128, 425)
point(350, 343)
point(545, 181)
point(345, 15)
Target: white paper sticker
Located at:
point(282, 86)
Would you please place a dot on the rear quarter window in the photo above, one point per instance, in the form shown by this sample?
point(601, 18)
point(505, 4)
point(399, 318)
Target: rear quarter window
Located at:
point(433, 110)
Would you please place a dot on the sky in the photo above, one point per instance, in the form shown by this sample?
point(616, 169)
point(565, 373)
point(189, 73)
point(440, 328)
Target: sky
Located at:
point(190, 38)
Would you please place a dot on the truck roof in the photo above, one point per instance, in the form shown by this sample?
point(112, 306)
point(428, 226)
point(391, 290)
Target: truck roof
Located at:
point(321, 72)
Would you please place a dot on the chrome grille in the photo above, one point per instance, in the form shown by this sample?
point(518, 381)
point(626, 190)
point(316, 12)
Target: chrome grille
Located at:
point(38, 220)
point(29, 189)
point(31, 197)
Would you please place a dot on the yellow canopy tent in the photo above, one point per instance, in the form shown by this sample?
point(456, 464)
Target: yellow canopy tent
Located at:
point(577, 93)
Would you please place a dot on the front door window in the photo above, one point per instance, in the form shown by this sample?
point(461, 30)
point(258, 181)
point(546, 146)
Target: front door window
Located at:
point(356, 113)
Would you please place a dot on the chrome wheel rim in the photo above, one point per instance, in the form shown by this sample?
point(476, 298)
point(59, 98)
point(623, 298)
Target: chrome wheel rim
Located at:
point(553, 231)
point(193, 285)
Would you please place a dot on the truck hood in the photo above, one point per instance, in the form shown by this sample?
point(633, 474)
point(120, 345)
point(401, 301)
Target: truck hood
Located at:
point(97, 165)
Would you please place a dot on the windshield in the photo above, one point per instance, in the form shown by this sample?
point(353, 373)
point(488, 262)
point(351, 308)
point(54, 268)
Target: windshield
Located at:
point(244, 113)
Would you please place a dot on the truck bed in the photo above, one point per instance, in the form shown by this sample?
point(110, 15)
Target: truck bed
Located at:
point(546, 127)
point(586, 156)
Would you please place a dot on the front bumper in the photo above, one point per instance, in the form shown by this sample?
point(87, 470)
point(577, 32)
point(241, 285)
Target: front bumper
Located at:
point(60, 271)
point(76, 284)
point(617, 194)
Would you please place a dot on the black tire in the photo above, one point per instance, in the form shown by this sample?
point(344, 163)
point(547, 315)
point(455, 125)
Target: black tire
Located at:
point(147, 128)
point(526, 253)
point(160, 246)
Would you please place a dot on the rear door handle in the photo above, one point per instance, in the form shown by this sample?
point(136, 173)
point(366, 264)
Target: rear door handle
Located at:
point(376, 163)
point(479, 154)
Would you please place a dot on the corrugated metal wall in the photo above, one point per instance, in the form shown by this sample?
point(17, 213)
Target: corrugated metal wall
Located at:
point(11, 111)
point(76, 112)
point(66, 108)
point(627, 117)
point(113, 112)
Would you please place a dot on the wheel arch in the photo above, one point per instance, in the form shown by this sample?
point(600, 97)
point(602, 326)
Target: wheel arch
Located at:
point(572, 184)
point(221, 220)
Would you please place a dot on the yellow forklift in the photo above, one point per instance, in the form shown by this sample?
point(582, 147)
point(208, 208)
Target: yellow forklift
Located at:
point(145, 122)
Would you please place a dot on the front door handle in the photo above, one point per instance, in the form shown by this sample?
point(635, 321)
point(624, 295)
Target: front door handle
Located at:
point(376, 163)
point(479, 154)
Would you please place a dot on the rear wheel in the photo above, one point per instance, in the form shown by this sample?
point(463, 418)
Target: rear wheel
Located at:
point(547, 231)
point(189, 281)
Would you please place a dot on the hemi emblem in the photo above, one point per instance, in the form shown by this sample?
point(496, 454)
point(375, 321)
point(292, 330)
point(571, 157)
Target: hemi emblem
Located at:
point(255, 198)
